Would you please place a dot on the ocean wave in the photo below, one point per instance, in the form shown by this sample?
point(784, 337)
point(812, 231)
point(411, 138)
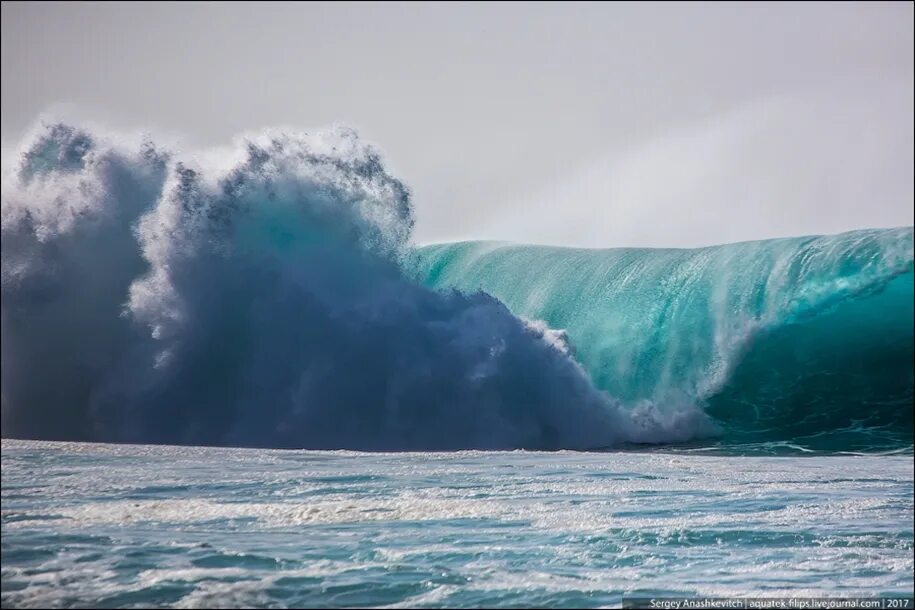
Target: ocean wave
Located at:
point(806, 339)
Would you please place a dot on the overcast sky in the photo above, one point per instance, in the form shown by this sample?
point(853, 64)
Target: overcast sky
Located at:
point(577, 124)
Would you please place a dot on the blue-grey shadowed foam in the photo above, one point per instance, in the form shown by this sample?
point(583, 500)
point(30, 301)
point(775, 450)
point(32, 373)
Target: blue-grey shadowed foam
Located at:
point(146, 299)
point(806, 339)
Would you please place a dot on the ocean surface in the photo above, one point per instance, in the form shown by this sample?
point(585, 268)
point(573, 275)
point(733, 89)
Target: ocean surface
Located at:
point(96, 525)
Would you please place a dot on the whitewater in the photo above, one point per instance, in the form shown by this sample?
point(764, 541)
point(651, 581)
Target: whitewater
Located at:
point(231, 379)
point(93, 525)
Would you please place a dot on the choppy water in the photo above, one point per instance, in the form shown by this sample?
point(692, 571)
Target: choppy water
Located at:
point(118, 525)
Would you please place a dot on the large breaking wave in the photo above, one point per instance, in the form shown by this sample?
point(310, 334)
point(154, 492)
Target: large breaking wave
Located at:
point(260, 301)
point(807, 340)
point(268, 295)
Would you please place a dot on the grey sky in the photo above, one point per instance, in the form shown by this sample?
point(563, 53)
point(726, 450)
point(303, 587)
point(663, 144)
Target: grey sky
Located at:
point(580, 124)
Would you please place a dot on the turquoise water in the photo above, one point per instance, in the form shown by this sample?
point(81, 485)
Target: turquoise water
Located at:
point(806, 339)
point(88, 525)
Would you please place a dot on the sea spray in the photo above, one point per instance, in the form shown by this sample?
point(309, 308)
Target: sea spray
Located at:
point(261, 301)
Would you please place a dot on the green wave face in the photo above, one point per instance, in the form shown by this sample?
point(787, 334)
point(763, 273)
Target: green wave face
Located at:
point(806, 340)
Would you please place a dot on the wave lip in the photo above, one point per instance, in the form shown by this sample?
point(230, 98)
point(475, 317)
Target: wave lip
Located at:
point(804, 338)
